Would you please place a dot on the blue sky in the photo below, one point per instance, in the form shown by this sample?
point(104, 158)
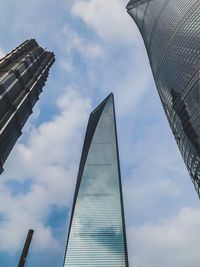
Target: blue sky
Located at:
point(98, 50)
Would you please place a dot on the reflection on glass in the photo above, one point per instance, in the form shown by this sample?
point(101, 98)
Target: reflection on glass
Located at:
point(171, 29)
point(97, 234)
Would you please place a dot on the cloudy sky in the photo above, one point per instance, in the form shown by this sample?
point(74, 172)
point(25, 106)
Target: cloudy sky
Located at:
point(98, 50)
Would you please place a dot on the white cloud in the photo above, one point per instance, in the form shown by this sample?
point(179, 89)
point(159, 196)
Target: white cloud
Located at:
point(108, 18)
point(118, 70)
point(50, 159)
point(125, 73)
point(70, 41)
point(132, 86)
point(65, 65)
point(172, 242)
point(107, 65)
point(84, 48)
point(156, 177)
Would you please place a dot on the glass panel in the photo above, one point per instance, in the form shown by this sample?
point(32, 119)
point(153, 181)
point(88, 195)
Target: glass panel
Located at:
point(96, 237)
point(171, 32)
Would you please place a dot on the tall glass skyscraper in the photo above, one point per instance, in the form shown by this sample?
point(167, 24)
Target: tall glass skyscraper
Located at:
point(23, 73)
point(97, 229)
point(171, 32)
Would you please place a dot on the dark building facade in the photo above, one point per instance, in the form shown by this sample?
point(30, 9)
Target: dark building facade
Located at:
point(23, 73)
point(97, 229)
point(171, 32)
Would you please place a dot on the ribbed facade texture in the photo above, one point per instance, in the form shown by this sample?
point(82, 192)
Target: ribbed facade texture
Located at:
point(97, 229)
point(171, 32)
point(23, 73)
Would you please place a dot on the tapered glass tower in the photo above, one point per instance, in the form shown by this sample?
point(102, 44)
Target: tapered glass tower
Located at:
point(23, 73)
point(97, 230)
point(171, 31)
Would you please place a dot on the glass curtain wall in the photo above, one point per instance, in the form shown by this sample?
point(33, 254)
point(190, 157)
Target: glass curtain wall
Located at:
point(171, 30)
point(97, 230)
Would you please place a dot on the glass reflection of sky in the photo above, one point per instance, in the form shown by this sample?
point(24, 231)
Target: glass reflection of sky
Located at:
point(96, 237)
point(171, 30)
